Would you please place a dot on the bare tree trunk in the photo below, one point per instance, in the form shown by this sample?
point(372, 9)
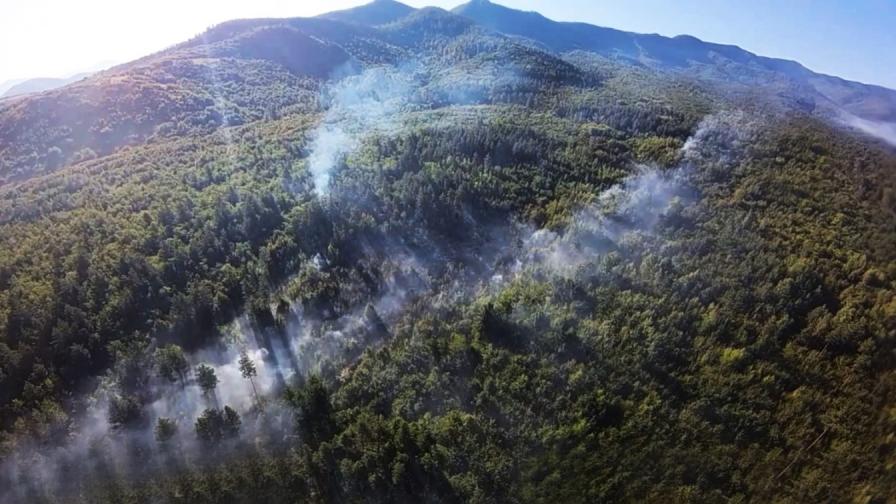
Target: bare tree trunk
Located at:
point(255, 391)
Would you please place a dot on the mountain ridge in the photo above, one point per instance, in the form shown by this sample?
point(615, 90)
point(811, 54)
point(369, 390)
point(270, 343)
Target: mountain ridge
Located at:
point(40, 84)
point(679, 52)
point(374, 13)
point(388, 32)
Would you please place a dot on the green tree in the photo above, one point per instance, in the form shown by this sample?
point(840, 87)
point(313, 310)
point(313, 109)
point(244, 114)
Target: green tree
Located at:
point(214, 425)
point(125, 411)
point(205, 376)
point(314, 411)
point(247, 369)
point(165, 429)
point(172, 363)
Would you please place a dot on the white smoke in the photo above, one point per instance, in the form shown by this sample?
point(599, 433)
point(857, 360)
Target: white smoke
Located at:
point(722, 140)
point(885, 131)
point(371, 102)
point(635, 206)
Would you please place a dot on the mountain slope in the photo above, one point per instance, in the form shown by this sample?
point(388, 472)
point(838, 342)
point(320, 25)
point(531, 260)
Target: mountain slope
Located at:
point(215, 80)
point(690, 54)
point(316, 48)
point(675, 52)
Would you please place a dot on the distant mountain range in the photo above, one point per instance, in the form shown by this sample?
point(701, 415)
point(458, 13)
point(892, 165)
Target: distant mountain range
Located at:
point(5, 85)
point(17, 87)
point(179, 83)
point(41, 84)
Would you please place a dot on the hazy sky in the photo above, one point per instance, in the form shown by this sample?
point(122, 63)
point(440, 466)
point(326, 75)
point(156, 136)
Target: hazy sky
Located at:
point(855, 39)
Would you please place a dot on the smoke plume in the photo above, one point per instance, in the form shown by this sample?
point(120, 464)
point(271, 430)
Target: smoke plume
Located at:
point(371, 102)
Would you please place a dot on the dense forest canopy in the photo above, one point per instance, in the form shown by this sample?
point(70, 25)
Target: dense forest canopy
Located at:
point(393, 255)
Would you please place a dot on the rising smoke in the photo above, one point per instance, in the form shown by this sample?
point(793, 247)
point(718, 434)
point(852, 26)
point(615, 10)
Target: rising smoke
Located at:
point(307, 340)
point(635, 206)
point(885, 131)
point(359, 105)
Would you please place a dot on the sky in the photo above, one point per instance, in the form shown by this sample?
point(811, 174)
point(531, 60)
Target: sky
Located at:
point(854, 39)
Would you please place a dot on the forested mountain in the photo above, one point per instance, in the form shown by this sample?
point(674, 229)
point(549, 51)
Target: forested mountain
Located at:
point(399, 255)
point(728, 64)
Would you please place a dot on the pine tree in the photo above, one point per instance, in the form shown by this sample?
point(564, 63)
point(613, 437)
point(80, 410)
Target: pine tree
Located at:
point(205, 376)
point(247, 368)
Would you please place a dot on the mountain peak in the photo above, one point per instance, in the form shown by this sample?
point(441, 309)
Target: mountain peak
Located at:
point(375, 13)
point(496, 16)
